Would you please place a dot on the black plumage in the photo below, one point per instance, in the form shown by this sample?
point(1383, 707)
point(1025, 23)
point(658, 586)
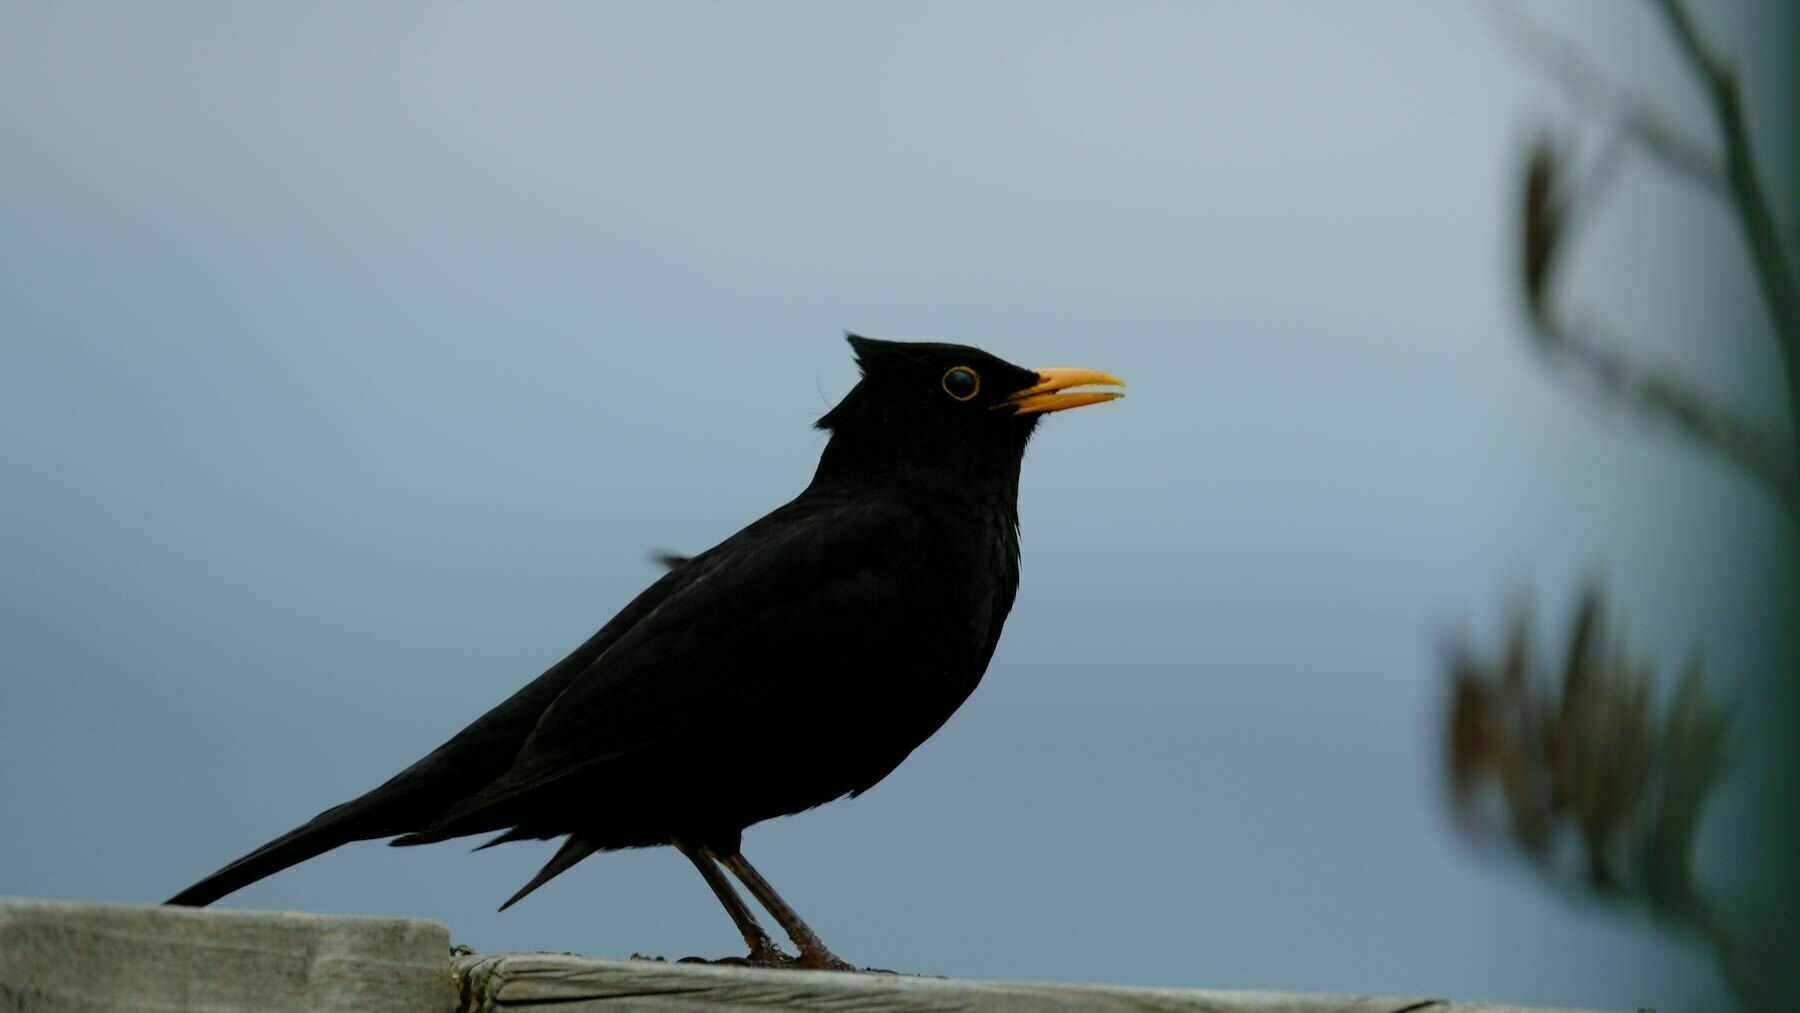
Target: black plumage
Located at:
point(796, 662)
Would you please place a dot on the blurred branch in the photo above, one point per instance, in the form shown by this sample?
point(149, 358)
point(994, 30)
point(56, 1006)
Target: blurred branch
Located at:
point(1634, 118)
point(1772, 269)
point(1661, 397)
point(1549, 205)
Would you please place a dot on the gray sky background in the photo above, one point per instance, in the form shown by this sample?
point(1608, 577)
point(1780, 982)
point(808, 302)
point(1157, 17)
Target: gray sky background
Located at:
point(355, 357)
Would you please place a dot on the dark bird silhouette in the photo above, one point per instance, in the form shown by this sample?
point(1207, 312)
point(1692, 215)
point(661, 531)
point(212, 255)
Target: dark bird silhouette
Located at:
point(796, 662)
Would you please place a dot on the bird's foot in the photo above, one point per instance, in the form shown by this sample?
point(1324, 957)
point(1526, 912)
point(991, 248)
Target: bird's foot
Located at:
point(764, 954)
point(823, 959)
point(773, 958)
point(767, 954)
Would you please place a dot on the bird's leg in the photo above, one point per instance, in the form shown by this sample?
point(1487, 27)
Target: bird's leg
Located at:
point(762, 948)
point(813, 952)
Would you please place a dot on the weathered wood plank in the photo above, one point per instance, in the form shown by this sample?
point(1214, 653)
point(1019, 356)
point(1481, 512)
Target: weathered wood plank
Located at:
point(59, 955)
point(62, 955)
point(549, 983)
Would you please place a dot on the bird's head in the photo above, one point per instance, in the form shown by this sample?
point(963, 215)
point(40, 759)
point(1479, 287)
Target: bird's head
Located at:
point(925, 409)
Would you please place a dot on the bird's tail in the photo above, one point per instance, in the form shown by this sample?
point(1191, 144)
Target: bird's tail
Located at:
point(417, 796)
point(326, 831)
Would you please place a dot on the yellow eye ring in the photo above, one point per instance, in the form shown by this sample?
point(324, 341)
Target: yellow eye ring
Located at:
point(961, 383)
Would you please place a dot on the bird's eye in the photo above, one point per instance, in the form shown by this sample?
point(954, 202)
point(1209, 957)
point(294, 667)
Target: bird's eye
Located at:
point(961, 383)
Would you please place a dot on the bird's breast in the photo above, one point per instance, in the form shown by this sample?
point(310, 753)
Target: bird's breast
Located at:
point(976, 576)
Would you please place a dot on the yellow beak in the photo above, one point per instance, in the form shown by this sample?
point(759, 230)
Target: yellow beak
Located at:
point(1052, 394)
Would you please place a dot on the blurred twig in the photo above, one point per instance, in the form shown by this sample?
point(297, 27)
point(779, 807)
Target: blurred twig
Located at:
point(1549, 205)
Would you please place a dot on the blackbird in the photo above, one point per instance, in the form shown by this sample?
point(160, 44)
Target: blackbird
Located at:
point(794, 663)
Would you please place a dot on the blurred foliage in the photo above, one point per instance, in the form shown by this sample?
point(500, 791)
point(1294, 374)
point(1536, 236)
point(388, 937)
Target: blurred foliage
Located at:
point(1579, 765)
point(1574, 772)
point(1581, 761)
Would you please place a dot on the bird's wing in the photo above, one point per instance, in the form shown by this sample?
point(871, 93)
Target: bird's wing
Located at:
point(779, 609)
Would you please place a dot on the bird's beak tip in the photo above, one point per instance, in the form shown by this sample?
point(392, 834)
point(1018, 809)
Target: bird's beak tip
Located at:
point(1054, 390)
